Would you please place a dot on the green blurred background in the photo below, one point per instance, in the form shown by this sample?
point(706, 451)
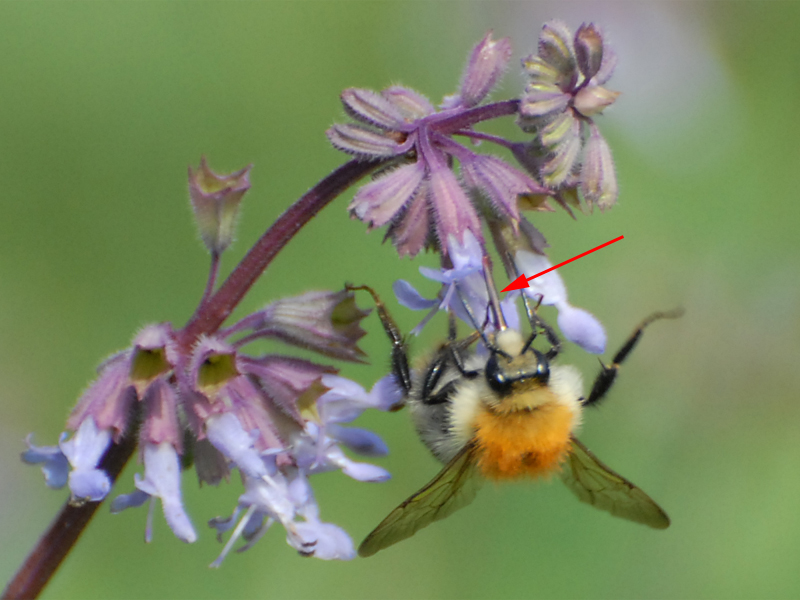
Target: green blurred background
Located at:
point(103, 106)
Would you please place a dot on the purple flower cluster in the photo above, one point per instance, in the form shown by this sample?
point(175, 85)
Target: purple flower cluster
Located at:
point(277, 419)
point(426, 204)
point(422, 200)
point(195, 396)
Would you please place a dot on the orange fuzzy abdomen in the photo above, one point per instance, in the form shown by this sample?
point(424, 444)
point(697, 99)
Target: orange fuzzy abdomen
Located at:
point(523, 443)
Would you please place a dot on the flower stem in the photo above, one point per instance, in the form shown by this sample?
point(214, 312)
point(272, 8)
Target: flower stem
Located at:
point(470, 117)
point(64, 531)
point(211, 314)
point(212, 277)
point(478, 135)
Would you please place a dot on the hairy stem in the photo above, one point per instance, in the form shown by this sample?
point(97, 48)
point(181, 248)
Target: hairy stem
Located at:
point(472, 116)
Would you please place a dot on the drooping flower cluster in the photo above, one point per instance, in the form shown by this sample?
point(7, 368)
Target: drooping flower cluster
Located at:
point(563, 95)
point(419, 196)
point(425, 203)
point(277, 419)
point(280, 419)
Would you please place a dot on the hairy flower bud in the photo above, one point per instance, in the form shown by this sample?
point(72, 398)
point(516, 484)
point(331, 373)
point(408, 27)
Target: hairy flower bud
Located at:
point(598, 175)
point(589, 49)
point(215, 202)
point(327, 322)
point(593, 100)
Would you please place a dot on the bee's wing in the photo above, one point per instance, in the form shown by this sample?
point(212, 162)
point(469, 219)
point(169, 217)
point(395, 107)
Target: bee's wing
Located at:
point(454, 487)
point(594, 483)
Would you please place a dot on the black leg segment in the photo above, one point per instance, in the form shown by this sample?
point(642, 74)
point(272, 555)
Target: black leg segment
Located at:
point(608, 373)
point(400, 368)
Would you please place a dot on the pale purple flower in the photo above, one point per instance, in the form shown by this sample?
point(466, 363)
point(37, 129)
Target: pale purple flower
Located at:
point(577, 325)
point(55, 465)
point(284, 496)
point(464, 283)
point(419, 196)
point(255, 413)
point(83, 451)
point(161, 480)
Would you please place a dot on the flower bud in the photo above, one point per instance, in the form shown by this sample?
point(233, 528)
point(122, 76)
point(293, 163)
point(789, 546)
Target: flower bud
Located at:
point(215, 202)
point(589, 49)
point(327, 322)
point(593, 100)
point(598, 176)
point(486, 64)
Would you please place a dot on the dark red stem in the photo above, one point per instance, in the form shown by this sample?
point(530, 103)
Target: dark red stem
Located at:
point(67, 527)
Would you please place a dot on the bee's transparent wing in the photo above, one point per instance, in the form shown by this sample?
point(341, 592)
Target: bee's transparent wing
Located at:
point(453, 488)
point(594, 483)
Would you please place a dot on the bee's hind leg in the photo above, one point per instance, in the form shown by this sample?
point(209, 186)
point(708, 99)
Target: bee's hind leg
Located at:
point(400, 368)
point(605, 378)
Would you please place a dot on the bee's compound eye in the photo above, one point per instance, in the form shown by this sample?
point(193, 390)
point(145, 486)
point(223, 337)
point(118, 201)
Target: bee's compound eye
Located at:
point(496, 376)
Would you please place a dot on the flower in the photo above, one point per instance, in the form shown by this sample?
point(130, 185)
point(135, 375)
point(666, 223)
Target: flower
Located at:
point(278, 419)
point(465, 286)
point(566, 90)
point(419, 196)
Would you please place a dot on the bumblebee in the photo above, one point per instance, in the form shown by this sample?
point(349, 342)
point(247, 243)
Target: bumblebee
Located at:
point(502, 413)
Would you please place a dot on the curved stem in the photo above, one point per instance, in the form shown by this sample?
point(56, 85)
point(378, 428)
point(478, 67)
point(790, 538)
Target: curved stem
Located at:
point(53, 547)
point(472, 116)
point(211, 314)
point(488, 137)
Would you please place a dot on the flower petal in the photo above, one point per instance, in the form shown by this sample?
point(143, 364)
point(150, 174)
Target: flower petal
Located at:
point(162, 479)
point(329, 541)
point(381, 200)
point(582, 328)
point(453, 210)
point(549, 287)
point(55, 465)
point(362, 142)
point(359, 440)
point(372, 108)
point(409, 297)
point(227, 435)
point(132, 500)
point(84, 451)
point(412, 104)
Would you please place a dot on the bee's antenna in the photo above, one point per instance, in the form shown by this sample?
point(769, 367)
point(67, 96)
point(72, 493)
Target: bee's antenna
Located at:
point(494, 300)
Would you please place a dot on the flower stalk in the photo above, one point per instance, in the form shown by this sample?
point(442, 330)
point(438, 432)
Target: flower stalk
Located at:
point(65, 530)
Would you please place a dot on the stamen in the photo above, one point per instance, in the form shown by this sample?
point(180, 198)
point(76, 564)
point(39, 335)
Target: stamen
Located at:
point(234, 536)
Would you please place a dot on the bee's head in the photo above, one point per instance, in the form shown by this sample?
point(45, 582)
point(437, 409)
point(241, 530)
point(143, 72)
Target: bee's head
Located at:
point(514, 365)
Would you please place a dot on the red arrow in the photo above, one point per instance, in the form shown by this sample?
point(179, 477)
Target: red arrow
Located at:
point(521, 282)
